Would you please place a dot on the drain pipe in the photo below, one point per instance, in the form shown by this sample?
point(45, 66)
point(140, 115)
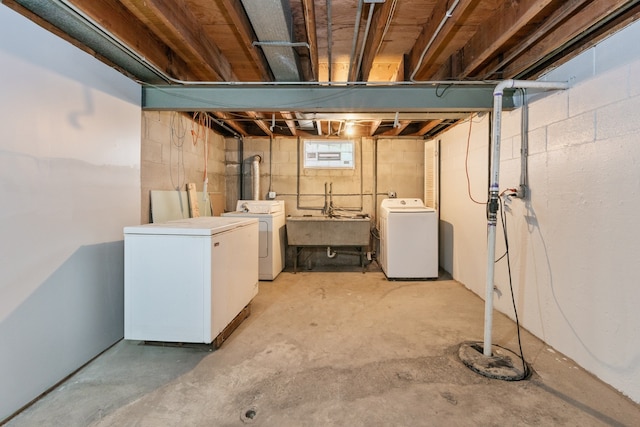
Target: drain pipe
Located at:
point(255, 176)
point(494, 192)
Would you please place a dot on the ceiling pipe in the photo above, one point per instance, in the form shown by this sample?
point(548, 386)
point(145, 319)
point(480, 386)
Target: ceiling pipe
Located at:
point(356, 32)
point(448, 14)
point(285, 44)
point(364, 40)
point(494, 192)
point(329, 39)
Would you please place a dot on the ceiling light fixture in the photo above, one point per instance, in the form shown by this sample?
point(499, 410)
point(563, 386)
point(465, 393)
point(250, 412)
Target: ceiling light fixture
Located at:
point(348, 128)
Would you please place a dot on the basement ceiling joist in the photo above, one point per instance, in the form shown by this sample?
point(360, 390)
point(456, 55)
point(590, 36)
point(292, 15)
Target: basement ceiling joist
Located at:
point(329, 99)
point(382, 41)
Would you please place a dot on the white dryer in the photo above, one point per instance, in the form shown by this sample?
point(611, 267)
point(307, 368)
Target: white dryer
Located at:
point(408, 239)
point(271, 217)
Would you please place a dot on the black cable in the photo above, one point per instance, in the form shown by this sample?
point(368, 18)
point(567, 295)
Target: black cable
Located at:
point(503, 220)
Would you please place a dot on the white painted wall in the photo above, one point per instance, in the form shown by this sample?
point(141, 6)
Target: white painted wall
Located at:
point(69, 181)
point(575, 243)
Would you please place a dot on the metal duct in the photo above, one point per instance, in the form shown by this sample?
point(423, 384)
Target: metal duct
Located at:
point(72, 21)
point(272, 22)
point(255, 177)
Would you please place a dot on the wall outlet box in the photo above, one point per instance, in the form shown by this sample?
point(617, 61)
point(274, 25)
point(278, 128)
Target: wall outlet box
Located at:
point(271, 195)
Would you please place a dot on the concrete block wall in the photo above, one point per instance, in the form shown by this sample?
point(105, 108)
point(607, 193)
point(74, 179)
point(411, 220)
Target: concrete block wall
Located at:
point(574, 241)
point(400, 168)
point(171, 158)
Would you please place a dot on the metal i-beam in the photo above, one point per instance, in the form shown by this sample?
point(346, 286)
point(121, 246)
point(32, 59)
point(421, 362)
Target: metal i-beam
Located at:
point(316, 98)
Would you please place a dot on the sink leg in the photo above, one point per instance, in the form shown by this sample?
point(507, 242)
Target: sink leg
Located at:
point(295, 259)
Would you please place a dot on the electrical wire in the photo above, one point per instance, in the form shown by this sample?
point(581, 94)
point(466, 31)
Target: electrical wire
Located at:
point(503, 220)
point(466, 165)
point(176, 136)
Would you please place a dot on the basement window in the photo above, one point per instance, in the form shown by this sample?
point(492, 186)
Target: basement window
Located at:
point(335, 154)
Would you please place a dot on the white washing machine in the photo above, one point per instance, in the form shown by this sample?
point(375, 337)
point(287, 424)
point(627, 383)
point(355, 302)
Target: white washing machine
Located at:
point(271, 217)
point(408, 239)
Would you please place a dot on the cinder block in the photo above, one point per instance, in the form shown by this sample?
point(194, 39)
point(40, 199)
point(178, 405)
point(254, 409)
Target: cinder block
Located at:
point(416, 157)
point(151, 151)
point(391, 157)
point(281, 157)
point(538, 141)
point(552, 108)
point(575, 130)
point(286, 144)
point(507, 147)
point(618, 119)
point(511, 123)
point(602, 90)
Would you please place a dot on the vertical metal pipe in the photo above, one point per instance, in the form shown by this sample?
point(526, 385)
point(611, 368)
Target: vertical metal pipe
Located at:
point(255, 177)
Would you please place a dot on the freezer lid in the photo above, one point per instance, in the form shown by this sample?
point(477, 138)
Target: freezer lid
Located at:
point(203, 226)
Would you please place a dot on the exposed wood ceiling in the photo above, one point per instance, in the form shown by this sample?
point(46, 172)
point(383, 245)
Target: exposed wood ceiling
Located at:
point(345, 41)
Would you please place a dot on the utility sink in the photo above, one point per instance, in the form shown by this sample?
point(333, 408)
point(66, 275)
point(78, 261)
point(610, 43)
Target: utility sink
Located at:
point(328, 231)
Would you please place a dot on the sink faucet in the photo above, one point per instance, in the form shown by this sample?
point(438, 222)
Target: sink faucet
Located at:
point(330, 213)
point(328, 208)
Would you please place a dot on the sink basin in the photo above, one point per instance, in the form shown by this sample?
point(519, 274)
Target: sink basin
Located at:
point(328, 231)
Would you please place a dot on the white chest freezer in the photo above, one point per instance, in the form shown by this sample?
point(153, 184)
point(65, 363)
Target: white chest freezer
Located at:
point(186, 280)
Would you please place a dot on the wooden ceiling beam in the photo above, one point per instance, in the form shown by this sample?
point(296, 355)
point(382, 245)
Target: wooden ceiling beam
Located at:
point(247, 35)
point(312, 36)
point(259, 120)
point(290, 121)
point(397, 130)
point(508, 20)
point(571, 25)
point(233, 124)
point(174, 18)
point(373, 127)
point(116, 19)
point(427, 126)
point(380, 16)
point(446, 32)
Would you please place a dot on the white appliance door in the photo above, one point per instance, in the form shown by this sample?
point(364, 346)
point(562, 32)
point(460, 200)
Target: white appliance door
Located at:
point(412, 245)
point(265, 238)
point(165, 281)
point(234, 270)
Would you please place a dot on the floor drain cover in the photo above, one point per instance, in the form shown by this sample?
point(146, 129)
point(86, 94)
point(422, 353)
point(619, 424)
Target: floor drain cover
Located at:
point(248, 415)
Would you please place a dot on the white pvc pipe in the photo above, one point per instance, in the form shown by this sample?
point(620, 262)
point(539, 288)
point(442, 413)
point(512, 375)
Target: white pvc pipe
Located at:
point(255, 177)
point(494, 193)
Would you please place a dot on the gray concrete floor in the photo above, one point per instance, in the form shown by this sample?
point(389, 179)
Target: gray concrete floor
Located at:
point(335, 349)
